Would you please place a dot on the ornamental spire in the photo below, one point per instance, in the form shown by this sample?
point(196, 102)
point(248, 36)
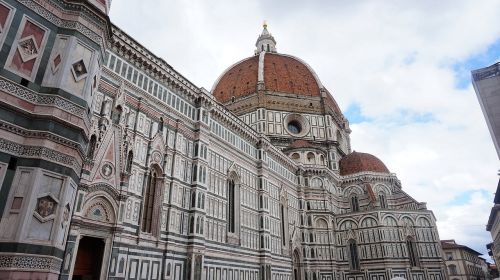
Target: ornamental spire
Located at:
point(265, 42)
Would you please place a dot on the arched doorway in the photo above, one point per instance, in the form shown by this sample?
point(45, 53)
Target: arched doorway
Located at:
point(296, 265)
point(89, 259)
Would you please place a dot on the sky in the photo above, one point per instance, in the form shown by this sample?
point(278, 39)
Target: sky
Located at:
point(399, 70)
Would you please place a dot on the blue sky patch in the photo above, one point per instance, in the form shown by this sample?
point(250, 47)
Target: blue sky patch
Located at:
point(464, 197)
point(483, 59)
point(354, 114)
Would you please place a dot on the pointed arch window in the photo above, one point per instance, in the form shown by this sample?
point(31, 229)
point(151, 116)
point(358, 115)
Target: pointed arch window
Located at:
point(231, 206)
point(130, 158)
point(149, 197)
point(412, 251)
point(452, 269)
point(353, 255)
point(383, 200)
point(191, 225)
point(354, 203)
point(92, 146)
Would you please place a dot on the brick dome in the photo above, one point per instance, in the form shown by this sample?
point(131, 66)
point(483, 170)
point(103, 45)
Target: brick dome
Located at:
point(276, 72)
point(360, 162)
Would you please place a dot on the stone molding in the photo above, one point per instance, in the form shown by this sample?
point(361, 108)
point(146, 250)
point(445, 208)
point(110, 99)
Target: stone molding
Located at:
point(27, 262)
point(42, 99)
point(39, 152)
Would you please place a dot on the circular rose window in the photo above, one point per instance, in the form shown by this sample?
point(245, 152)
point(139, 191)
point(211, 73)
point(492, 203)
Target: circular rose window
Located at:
point(296, 125)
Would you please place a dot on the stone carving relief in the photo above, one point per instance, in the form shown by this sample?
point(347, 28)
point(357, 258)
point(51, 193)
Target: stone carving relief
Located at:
point(100, 209)
point(28, 48)
point(79, 70)
point(408, 229)
point(107, 170)
point(156, 157)
point(45, 208)
point(351, 234)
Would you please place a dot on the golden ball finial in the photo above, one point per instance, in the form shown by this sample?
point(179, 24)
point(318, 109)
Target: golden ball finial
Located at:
point(264, 24)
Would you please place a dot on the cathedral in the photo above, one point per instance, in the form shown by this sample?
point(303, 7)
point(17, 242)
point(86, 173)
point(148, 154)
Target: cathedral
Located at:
point(113, 165)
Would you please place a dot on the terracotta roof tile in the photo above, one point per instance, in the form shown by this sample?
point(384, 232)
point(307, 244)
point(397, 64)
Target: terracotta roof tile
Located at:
point(286, 74)
point(301, 144)
point(359, 162)
point(282, 73)
point(240, 80)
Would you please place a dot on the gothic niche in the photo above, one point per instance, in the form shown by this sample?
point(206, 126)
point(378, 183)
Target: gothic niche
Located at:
point(66, 213)
point(45, 206)
point(79, 70)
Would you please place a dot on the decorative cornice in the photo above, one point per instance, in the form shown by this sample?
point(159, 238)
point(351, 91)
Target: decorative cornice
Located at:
point(42, 99)
point(154, 66)
point(12, 128)
point(40, 152)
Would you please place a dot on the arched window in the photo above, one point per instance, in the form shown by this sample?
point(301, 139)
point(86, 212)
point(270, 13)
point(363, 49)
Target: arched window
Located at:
point(310, 158)
point(191, 225)
point(130, 158)
point(452, 269)
point(231, 206)
point(193, 199)
point(149, 197)
point(353, 255)
point(322, 159)
point(268, 49)
point(412, 251)
point(383, 201)
point(92, 146)
point(354, 203)
point(198, 220)
point(296, 157)
point(121, 265)
point(169, 268)
point(117, 114)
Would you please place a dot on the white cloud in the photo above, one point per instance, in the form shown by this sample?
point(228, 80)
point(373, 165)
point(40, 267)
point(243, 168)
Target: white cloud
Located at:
point(393, 59)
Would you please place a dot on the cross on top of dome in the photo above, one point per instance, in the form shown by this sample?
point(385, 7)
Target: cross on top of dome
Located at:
point(265, 42)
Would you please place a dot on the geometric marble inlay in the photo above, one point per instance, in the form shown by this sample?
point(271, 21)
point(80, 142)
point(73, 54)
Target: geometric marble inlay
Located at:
point(56, 62)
